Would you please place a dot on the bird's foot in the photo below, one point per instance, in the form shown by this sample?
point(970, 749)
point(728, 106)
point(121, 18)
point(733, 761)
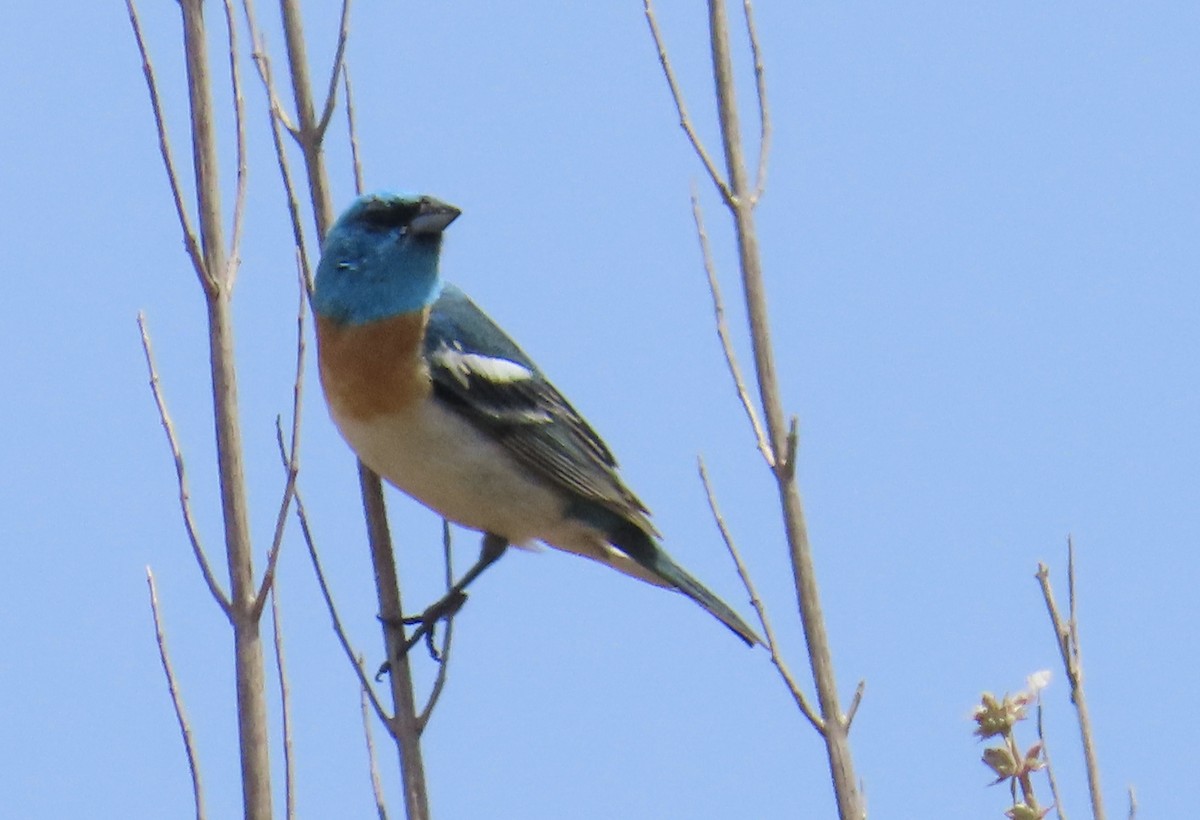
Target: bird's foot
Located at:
point(443, 609)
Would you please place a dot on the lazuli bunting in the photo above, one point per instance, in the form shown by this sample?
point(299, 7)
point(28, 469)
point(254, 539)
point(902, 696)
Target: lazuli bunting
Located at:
point(435, 398)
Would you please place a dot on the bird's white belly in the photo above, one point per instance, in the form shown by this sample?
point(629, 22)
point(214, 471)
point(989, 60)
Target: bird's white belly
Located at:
point(447, 465)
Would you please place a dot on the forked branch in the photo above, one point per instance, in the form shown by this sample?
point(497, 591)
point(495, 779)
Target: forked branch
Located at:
point(185, 498)
point(778, 440)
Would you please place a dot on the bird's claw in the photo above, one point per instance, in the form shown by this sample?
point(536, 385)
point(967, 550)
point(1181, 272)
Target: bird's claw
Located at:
point(426, 623)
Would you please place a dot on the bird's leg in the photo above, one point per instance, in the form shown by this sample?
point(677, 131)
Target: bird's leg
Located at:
point(449, 604)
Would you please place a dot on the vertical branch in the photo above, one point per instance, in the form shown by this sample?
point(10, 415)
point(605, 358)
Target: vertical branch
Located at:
point(307, 132)
point(354, 156)
point(1050, 776)
point(764, 111)
point(1067, 636)
point(372, 758)
point(836, 725)
point(741, 197)
point(239, 111)
point(289, 775)
point(439, 682)
point(405, 725)
point(219, 277)
point(279, 123)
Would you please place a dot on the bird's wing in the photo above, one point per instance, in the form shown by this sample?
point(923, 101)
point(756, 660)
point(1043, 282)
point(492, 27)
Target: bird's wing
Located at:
point(481, 374)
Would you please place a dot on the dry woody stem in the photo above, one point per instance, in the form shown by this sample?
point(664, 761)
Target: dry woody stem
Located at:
point(215, 266)
point(185, 729)
point(308, 131)
point(778, 441)
point(1066, 634)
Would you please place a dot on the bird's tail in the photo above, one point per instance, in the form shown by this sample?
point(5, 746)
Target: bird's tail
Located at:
point(679, 578)
point(642, 548)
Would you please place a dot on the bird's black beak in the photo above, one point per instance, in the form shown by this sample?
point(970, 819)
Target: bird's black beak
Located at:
point(434, 217)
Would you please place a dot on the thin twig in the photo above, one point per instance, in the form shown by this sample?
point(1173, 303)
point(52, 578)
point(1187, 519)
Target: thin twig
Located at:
point(289, 775)
point(279, 122)
point(439, 682)
point(759, 609)
point(353, 130)
point(1133, 807)
point(185, 503)
point(239, 112)
point(339, 630)
point(190, 242)
point(372, 757)
point(262, 61)
point(293, 460)
point(764, 111)
point(855, 702)
point(739, 383)
point(185, 729)
point(338, 61)
point(1041, 731)
point(685, 121)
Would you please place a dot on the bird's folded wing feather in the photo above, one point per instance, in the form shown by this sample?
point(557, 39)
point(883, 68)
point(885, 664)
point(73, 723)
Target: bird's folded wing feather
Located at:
point(481, 374)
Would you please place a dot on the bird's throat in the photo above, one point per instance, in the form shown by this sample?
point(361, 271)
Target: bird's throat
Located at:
point(374, 368)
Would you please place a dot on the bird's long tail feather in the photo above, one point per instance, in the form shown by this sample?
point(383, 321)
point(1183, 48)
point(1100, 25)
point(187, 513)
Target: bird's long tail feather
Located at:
point(679, 578)
point(641, 547)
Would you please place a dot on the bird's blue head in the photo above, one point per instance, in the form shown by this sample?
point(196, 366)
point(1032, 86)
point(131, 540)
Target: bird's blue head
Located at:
point(380, 259)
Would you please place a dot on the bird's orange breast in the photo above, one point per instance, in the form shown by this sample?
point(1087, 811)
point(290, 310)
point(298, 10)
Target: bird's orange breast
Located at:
point(373, 369)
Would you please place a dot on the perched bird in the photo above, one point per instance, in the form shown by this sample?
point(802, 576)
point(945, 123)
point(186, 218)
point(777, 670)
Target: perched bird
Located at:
point(435, 398)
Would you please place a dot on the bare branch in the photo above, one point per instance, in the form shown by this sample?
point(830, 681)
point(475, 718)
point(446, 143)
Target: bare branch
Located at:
point(185, 503)
point(760, 437)
point(239, 115)
point(739, 197)
point(764, 112)
point(1067, 635)
point(403, 725)
point(338, 62)
point(685, 121)
point(190, 242)
point(307, 136)
point(289, 775)
point(1133, 807)
point(185, 730)
point(759, 609)
point(293, 460)
point(854, 703)
point(443, 654)
point(372, 758)
point(353, 130)
point(262, 62)
point(339, 630)
point(1041, 731)
point(279, 122)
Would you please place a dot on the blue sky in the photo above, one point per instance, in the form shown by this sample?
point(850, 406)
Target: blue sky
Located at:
point(980, 238)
